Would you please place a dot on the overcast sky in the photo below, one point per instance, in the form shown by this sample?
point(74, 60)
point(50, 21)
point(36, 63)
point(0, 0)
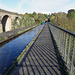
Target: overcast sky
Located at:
point(39, 6)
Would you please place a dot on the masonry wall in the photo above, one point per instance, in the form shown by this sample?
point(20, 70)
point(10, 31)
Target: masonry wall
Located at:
point(11, 17)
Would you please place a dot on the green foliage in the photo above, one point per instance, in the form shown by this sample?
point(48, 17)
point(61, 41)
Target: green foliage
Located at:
point(66, 21)
point(14, 24)
point(46, 15)
point(41, 17)
point(28, 20)
point(19, 32)
point(71, 14)
point(0, 38)
point(24, 21)
point(71, 49)
point(5, 38)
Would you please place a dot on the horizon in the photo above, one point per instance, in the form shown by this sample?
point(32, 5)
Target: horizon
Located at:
point(43, 6)
point(33, 11)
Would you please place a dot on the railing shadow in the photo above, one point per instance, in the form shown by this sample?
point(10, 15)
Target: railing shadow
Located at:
point(40, 60)
point(60, 60)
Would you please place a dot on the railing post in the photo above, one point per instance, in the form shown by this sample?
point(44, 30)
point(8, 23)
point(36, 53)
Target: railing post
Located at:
point(64, 37)
point(65, 41)
point(61, 43)
point(68, 56)
point(66, 46)
point(73, 60)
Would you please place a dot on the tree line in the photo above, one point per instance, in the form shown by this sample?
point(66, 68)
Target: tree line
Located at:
point(64, 20)
point(61, 19)
point(29, 19)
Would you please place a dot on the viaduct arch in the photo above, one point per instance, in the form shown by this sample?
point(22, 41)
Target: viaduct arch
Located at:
point(6, 23)
point(6, 18)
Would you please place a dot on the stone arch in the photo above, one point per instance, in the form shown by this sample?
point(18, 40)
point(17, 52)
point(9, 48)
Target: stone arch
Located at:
point(6, 23)
point(16, 19)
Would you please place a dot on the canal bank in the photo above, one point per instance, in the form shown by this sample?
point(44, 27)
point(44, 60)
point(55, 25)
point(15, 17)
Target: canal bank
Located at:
point(21, 52)
point(7, 36)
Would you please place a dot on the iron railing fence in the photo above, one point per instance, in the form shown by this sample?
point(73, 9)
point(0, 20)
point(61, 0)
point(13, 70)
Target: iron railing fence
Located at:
point(66, 45)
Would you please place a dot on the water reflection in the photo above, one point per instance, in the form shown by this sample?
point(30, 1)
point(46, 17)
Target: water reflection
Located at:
point(12, 49)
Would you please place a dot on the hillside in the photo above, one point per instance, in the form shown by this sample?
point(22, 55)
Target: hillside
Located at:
point(29, 19)
point(64, 20)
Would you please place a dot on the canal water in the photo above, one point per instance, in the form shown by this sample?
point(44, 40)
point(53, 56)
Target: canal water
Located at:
point(10, 50)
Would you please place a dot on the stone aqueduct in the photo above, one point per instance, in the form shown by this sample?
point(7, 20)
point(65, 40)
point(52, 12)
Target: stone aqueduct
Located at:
point(6, 18)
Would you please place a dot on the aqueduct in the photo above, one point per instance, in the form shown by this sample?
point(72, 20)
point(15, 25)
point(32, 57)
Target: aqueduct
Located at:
point(6, 18)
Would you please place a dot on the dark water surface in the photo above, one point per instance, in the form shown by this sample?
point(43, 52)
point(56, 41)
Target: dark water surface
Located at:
point(12, 49)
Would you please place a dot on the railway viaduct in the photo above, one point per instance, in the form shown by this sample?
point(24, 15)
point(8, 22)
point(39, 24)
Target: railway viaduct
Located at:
point(6, 18)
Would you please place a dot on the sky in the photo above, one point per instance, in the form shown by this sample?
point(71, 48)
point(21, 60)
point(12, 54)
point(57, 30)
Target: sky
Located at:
point(38, 6)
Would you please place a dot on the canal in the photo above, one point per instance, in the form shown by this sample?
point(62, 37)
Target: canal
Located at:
point(10, 50)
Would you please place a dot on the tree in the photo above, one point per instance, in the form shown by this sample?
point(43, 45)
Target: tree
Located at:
point(66, 21)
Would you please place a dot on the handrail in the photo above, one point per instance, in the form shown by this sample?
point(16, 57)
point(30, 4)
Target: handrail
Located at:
point(64, 30)
point(65, 41)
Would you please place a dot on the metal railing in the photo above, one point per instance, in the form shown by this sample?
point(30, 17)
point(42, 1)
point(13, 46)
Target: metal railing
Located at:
point(66, 45)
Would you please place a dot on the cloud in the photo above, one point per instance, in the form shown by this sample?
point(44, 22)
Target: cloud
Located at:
point(2, 6)
point(68, 6)
point(41, 6)
point(20, 4)
point(47, 6)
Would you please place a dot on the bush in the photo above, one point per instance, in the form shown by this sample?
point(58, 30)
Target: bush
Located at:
point(66, 21)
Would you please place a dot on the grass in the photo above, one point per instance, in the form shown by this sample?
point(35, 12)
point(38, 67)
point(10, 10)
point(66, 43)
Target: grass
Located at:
point(0, 38)
point(25, 30)
point(5, 38)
